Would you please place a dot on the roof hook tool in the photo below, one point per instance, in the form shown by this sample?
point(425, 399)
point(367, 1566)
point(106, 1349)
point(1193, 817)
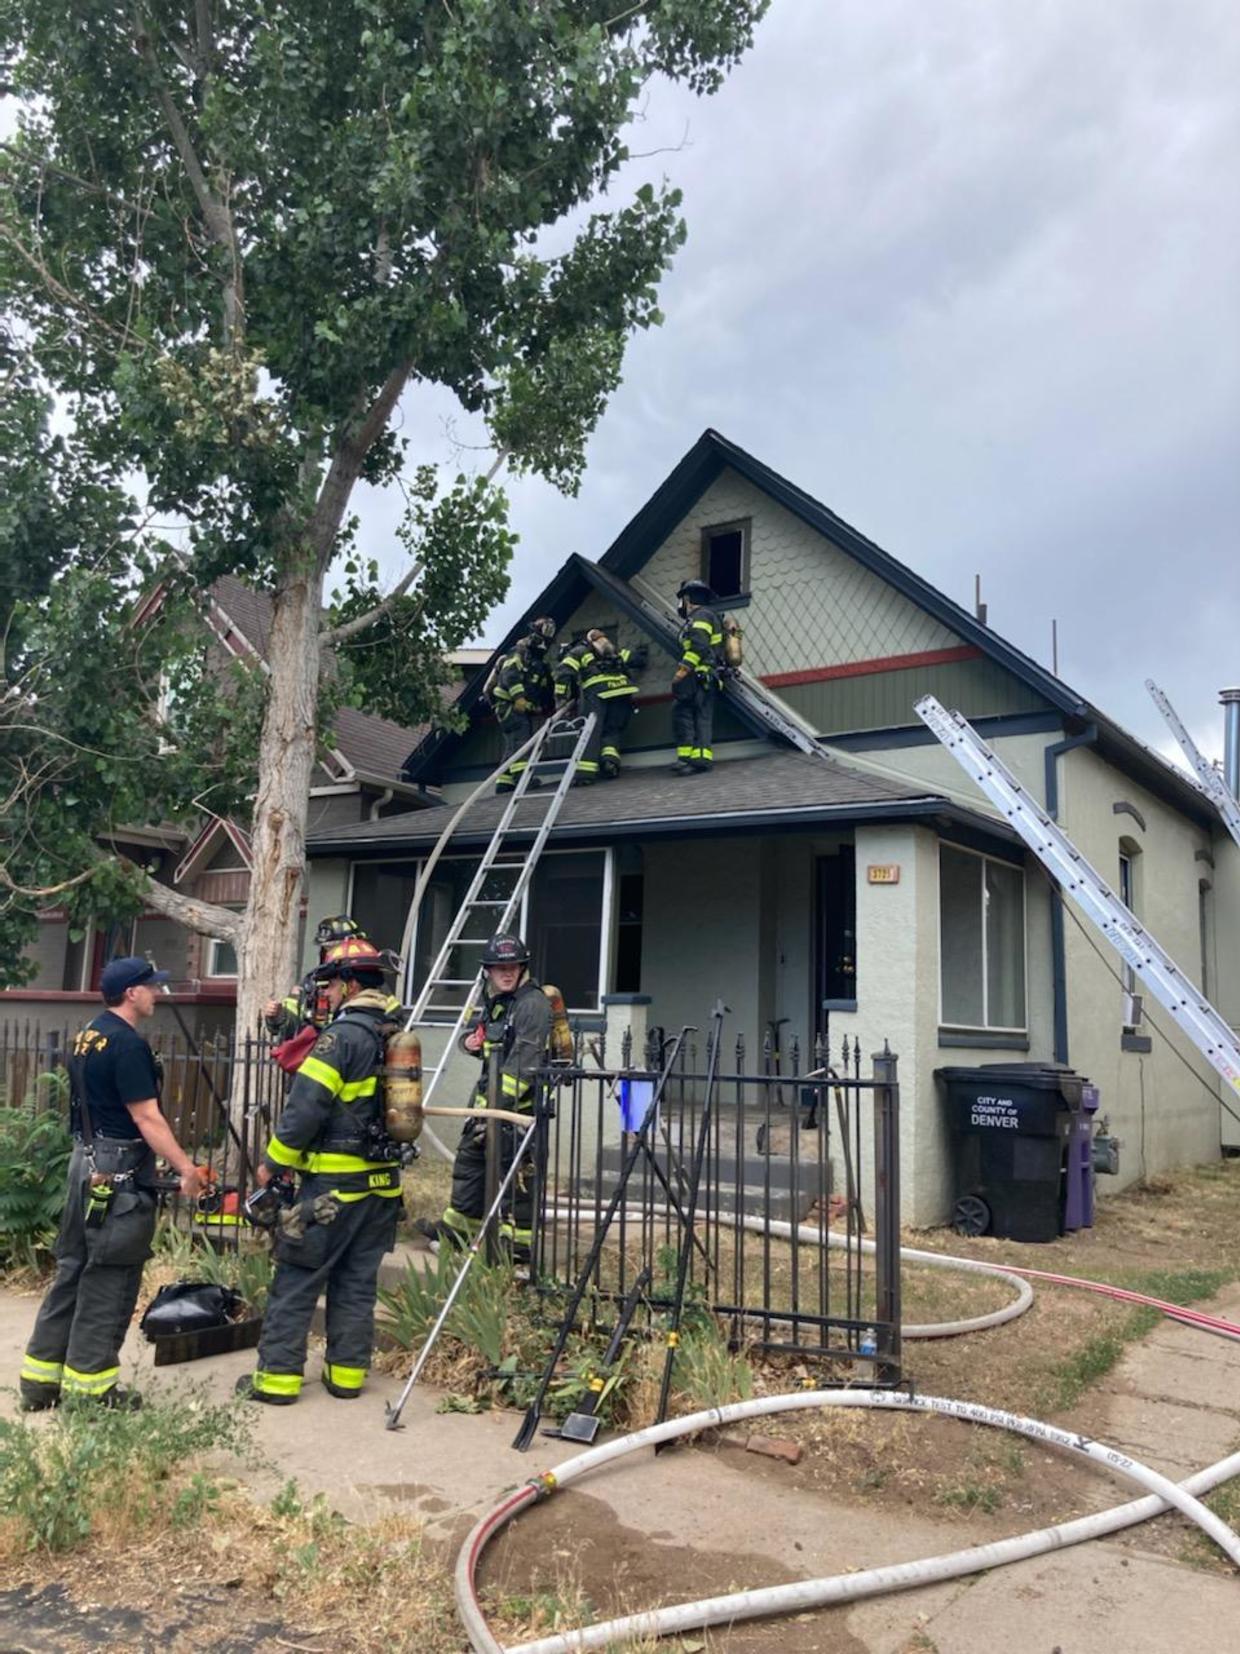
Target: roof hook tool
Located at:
point(584, 1424)
point(529, 1425)
point(392, 1419)
point(695, 1185)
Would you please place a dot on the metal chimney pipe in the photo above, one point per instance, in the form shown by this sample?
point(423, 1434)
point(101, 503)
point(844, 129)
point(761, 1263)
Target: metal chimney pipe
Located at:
point(1230, 699)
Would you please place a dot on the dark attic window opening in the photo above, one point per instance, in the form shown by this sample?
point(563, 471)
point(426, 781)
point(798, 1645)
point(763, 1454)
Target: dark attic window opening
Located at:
point(725, 559)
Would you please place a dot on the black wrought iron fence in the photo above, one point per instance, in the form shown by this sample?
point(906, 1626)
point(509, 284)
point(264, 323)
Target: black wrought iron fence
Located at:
point(795, 1216)
point(814, 1150)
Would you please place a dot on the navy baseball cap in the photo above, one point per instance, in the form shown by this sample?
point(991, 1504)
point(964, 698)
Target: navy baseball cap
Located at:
point(119, 974)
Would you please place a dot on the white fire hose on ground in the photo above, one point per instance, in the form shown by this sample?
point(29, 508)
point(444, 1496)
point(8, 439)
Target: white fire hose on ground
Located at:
point(1162, 1494)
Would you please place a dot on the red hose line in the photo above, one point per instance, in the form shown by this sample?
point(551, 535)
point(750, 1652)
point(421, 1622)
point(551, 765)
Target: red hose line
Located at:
point(1179, 1312)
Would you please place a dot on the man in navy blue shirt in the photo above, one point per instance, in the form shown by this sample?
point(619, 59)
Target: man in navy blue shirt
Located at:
point(109, 1216)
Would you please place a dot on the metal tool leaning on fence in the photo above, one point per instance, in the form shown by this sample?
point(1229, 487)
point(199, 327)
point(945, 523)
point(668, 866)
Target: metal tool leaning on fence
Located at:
point(110, 1205)
point(639, 1146)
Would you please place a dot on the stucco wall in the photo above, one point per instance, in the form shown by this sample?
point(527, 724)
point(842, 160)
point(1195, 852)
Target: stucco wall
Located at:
point(813, 605)
point(327, 892)
point(1165, 1115)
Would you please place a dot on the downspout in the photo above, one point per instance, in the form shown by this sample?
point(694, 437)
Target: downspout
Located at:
point(385, 797)
point(1059, 964)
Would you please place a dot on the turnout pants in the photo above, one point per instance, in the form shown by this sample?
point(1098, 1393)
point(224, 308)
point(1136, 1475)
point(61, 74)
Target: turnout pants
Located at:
point(467, 1207)
point(75, 1346)
point(515, 731)
point(343, 1258)
point(693, 720)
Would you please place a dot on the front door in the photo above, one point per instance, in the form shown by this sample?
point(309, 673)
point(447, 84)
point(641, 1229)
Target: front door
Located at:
point(835, 934)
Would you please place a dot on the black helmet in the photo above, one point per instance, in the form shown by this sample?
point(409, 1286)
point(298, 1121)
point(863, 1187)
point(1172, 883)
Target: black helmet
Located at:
point(336, 929)
point(506, 948)
point(694, 591)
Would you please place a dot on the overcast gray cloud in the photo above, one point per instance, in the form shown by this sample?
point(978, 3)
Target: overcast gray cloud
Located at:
point(968, 272)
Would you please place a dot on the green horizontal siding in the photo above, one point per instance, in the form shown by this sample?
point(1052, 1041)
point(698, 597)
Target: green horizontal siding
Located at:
point(883, 700)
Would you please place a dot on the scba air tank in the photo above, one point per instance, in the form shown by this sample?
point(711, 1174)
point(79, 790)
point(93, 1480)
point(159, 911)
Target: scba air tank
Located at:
point(402, 1086)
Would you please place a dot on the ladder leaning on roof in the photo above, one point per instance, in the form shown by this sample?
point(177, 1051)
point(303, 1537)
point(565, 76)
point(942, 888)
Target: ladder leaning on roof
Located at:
point(503, 909)
point(1190, 1010)
point(1212, 783)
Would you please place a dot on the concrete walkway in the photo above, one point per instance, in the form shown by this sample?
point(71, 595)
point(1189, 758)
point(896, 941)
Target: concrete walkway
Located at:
point(1174, 1403)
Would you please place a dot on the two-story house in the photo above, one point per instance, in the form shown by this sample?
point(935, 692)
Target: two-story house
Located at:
point(868, 882)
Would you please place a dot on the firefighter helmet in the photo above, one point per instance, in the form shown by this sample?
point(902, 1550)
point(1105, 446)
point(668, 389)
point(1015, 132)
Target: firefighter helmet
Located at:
point(543, 627)
point(696, 592)
point(506, 948)
point(336, 929)
point(353, 954)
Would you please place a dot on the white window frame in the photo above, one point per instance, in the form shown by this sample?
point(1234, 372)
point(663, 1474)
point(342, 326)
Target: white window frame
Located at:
point(606, 916)
point(210, 974)
point(985, 1027)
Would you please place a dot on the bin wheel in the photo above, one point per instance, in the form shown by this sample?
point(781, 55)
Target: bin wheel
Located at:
point(971, 1215)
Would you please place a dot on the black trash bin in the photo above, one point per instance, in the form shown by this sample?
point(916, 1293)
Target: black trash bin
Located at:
point(1011, 1123)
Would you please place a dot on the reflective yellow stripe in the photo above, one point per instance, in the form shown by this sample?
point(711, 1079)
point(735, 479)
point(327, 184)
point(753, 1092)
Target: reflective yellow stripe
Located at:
point(314, 1068)
point(278, 1384)
point(459, 1221)
point(41, 1372)
point(327, 1163)
point(292, 1003)
point(283, 1155)
point(684, 752)
point(511, 1086)
point(344, 1378)
point(353, 1089)
point(509, 1232)
point(693, 659)
point(89, 1384)
point(351, 1195)
point(702, 626)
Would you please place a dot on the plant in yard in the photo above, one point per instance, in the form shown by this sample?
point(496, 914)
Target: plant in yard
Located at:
point(34, 1156)
point(242, 248)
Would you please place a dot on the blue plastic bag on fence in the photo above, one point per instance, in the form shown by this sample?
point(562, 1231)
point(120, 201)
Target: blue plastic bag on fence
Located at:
point(634, 1097)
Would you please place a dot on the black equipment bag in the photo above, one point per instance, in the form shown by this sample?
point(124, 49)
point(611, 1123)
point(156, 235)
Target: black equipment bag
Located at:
point(189, 1306)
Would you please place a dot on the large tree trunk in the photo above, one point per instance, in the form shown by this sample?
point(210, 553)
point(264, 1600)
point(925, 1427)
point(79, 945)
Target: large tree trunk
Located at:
point(267, 961)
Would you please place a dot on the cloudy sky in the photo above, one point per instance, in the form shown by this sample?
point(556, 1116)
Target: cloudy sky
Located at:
point(969, 272)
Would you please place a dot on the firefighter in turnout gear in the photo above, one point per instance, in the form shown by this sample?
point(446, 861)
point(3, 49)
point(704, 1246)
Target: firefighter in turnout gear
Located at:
point(695, 683)
point(336, 1234)
point(307, 1006)
point(592, 671)
point(521, 692)
point(516, 1020)
point(109, 1216)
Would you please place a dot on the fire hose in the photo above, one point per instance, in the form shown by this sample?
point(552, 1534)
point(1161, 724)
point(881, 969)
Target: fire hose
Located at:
point(851, 1587)
point(1162, 1494)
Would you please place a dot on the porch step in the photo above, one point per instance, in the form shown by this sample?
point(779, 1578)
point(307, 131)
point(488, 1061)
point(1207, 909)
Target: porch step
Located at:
point(766, 1188)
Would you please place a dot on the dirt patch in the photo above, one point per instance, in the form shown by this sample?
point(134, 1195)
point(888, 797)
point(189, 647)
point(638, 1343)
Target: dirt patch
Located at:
point(571, 1562)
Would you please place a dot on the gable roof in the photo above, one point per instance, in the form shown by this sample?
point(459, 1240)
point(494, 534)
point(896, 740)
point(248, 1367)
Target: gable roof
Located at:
point(764, 793)
point(676, 496)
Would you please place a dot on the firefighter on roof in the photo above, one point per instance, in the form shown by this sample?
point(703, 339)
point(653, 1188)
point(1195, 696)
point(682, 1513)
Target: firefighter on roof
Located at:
point(695, 684)
point(516, 1019)
point(332, 1135)
point(522, 691)
point(592, 671)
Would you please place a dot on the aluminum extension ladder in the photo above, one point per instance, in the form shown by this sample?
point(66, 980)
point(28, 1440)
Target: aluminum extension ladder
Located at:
point(499, 861)
point(1189, 1010)
point(1211, 782)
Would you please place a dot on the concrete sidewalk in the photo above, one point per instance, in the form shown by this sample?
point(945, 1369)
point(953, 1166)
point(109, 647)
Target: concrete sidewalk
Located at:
point(1173, 1403)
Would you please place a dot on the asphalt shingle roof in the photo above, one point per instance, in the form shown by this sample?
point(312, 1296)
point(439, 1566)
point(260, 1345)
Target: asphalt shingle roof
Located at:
point(768, 786)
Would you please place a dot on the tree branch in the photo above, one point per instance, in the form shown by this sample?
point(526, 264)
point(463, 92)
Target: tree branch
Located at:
point(40, 892)
point(215, 214)
point(350, 628)
point(204, 917)
point(352, 446)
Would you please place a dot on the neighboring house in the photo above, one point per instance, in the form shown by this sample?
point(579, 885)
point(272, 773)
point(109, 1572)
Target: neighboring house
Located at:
point(359, 779)
point(871, 884)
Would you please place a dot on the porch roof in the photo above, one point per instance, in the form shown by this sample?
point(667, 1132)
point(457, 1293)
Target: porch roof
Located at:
point(770, 792)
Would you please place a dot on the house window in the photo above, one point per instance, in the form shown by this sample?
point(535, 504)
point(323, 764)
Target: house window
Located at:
point(564, 925)
point(1203, 930)
point(221, 958)
point(380, 898)
point(981, 941)
point(1129, 862)
point(563, 918)
point(725, 558)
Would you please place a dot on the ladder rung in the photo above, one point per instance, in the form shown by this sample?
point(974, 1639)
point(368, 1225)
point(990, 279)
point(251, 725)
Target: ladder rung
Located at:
point(501, 902)
point(453, 981)
point(444, 1010)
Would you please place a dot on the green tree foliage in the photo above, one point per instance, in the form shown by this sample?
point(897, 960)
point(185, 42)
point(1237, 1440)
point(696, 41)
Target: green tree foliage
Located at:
point(232, 238)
